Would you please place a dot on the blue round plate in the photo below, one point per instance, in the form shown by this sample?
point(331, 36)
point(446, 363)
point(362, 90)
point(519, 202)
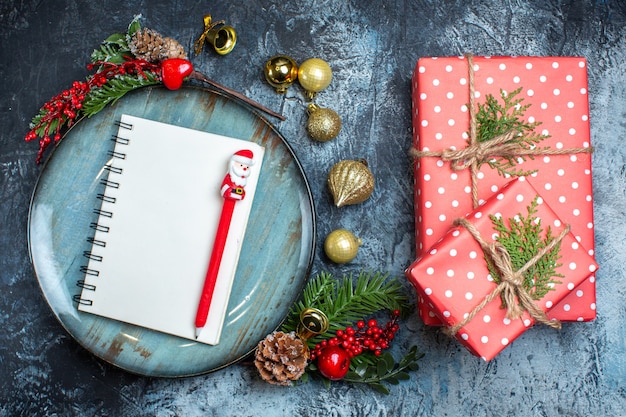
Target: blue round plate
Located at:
point(275, 258)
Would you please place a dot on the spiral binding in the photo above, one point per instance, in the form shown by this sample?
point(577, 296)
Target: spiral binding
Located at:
point(108, 183)
point(123, 125)
point(82, 284)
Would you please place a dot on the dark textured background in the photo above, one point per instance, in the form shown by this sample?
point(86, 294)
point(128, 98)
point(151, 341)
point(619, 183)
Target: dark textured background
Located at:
point(372, 47)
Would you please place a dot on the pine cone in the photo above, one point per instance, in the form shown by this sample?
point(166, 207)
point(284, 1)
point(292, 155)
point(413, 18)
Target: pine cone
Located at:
point(153, 47)
point(281, 358)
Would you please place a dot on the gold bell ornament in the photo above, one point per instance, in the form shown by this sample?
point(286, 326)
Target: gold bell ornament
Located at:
point(324, 124)
point(223, 38)
point(342, 246)
point(280, 72)
point(314, 75)
point(350, 182)
point(312, 323)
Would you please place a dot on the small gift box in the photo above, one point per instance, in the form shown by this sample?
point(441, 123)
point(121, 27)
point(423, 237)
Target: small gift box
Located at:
point(453, 173)
point(500, 269)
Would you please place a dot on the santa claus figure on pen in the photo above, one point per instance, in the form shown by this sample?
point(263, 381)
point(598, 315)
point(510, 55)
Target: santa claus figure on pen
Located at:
point(237, 176)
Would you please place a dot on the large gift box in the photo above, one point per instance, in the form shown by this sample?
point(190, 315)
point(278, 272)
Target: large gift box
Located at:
point(454, 278)
point(554, 89)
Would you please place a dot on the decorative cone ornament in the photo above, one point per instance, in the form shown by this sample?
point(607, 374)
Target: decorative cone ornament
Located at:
point(350, 182)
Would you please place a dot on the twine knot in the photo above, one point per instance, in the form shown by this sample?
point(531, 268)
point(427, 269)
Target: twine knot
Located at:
point(475, 154)
point(515, 297)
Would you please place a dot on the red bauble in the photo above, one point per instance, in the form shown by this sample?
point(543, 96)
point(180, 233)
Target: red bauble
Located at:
point(173, 71)
point(333, 362)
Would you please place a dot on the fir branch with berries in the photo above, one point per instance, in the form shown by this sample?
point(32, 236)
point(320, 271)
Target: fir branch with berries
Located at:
point(352, 347)
point(124, 62)
point(347, 301)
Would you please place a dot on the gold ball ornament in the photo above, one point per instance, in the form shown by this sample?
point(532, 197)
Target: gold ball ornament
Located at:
point(280, 72)
point(341, 246)
point(350, 182)
point(314, 75)
point(323, 124)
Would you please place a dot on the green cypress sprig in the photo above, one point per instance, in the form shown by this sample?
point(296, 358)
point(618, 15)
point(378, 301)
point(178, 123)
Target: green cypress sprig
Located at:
point(523, 237)
point(494, 119)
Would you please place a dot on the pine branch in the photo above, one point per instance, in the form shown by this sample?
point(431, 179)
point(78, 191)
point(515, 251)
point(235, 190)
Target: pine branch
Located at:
point(315, 290)
point(114, 89)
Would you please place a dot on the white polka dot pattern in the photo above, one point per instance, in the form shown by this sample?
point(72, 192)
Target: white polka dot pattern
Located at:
point(556, 89)
point(452, 278)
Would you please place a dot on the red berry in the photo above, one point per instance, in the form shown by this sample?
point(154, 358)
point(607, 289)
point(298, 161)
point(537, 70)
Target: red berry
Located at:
point(333, 362)
point(372, 323)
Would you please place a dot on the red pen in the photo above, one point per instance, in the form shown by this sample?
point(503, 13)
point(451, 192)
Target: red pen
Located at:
point(232, 191)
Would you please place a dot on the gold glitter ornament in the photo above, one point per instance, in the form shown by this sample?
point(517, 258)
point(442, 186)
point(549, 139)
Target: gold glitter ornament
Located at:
point(341, 246)
point(350, 182)
point(323, 124)
point(280, 72)
point(314, 75)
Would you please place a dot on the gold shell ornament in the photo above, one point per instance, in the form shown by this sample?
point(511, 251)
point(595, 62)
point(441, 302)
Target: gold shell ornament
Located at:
point(350, 182)
point(324, 124)
point(341, 246)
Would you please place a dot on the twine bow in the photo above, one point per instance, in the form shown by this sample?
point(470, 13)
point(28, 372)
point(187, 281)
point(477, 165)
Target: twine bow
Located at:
point(516, 298)
point(477, 153)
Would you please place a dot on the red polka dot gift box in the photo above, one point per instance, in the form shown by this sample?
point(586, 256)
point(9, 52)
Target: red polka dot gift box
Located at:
point(487, 293)
point(452, 175)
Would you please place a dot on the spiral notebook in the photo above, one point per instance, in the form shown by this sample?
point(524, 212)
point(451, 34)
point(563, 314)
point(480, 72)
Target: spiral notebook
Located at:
point(158, 214)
